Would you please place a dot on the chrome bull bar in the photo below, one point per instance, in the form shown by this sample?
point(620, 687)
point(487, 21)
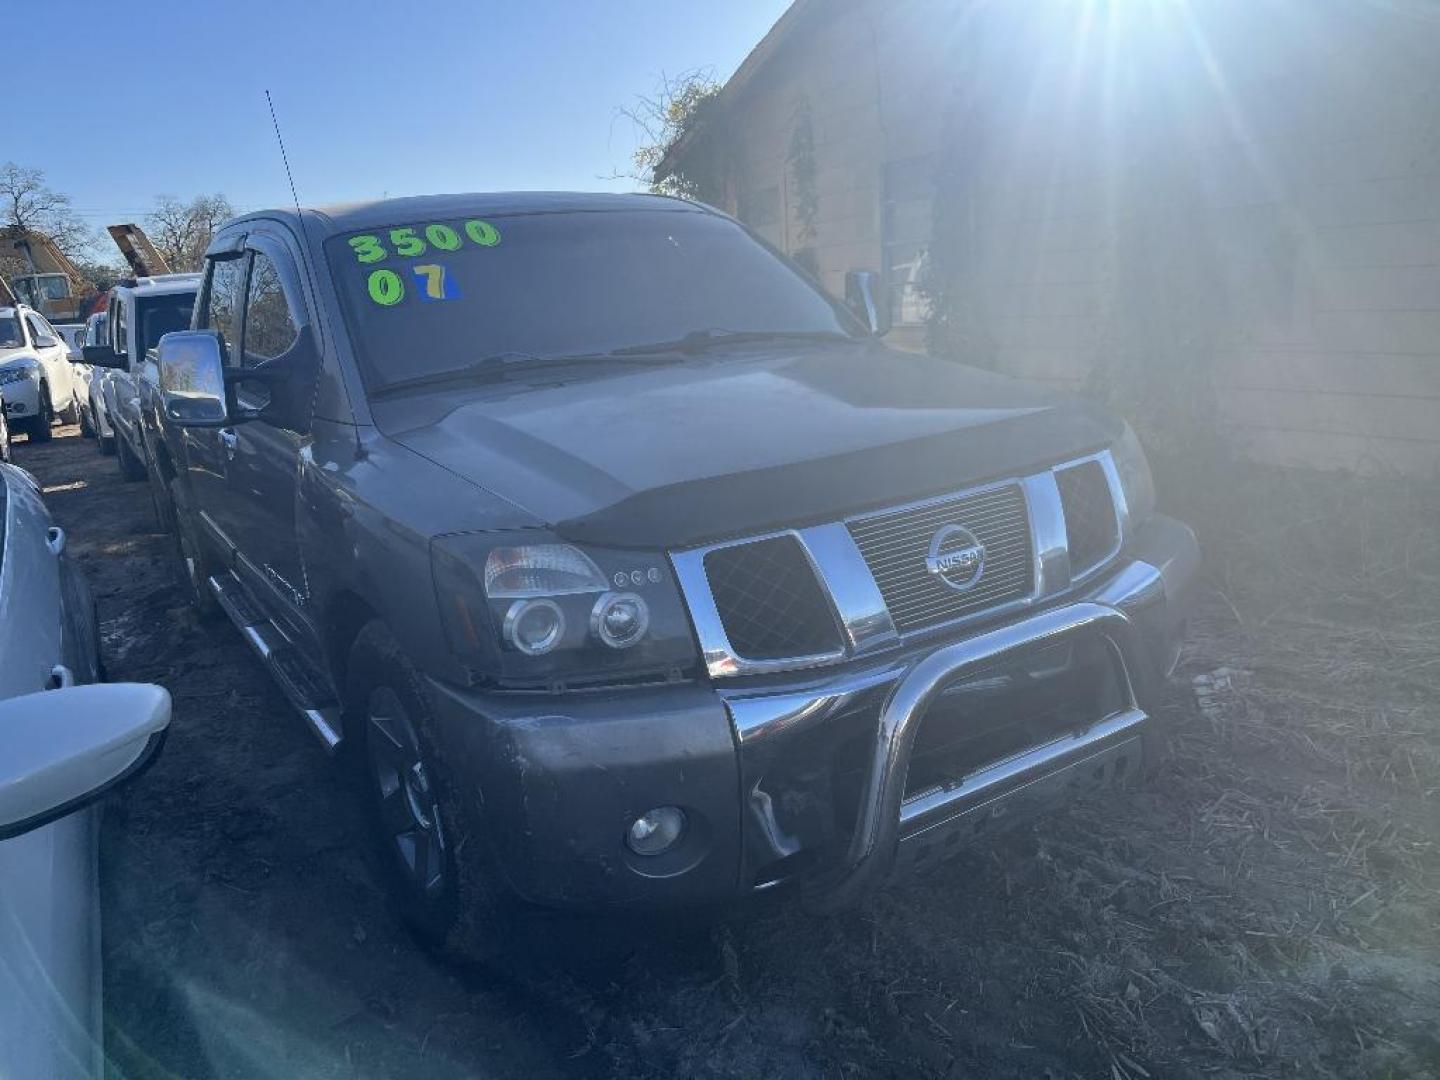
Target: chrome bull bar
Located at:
point(886, 818)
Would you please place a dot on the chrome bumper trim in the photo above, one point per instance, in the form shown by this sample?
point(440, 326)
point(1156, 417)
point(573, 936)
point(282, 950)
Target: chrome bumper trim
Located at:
point(938, 806)
point(879, 825)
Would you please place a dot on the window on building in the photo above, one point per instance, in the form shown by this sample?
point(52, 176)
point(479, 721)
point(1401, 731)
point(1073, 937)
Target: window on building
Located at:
point(907, 212)
point(760, 207)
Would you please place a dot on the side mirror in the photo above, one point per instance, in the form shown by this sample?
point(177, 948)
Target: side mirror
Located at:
point(192, 379)
point(102, 356)
point(864, 295)
point(62, 749)
point(45, 341)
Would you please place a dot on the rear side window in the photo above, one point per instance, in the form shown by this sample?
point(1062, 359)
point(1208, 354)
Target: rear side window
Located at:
point(222, 301)
point(270, 323)
point(161, 315)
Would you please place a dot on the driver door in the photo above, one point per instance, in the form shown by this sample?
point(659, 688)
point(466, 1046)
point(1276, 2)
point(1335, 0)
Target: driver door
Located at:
point(263, 456)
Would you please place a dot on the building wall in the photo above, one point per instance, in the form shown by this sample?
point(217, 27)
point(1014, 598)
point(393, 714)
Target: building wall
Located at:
point(1248, 190)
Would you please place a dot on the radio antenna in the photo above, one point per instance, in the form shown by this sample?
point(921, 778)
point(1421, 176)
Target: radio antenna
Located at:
point(283, 156)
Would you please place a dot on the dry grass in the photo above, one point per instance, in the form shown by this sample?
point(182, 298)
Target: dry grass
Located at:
point(1304, 903)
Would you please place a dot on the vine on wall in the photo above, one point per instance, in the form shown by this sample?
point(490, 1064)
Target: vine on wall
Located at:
point(804, 186)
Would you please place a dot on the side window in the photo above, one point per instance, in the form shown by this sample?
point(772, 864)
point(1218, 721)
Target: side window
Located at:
point(271, 326)
point(222, 302)
point(121, 331)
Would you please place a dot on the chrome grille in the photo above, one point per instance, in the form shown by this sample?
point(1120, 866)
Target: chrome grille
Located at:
point(1091, 528)
point(895, 546)
point(769, 600)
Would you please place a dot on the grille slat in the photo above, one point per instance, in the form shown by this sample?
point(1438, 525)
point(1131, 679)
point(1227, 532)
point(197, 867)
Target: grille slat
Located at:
point(1002, 581)
point(900, 575)
point(1091, 529)
point(770, 601)
point(902, 547)
point(927, 516)
point(894, 546)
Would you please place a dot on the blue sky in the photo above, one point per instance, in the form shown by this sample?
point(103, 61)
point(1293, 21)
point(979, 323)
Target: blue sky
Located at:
point(373, 97)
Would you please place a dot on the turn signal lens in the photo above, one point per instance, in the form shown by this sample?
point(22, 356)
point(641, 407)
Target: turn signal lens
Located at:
point(540, 570)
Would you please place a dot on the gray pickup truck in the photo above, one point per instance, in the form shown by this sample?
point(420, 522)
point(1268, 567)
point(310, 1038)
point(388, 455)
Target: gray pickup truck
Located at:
point(635, 570)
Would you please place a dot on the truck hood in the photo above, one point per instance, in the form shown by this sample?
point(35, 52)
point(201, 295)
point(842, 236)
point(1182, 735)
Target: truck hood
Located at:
point(739, 441)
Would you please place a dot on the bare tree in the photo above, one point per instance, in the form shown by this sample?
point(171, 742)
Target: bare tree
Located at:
point(181, 231)
point(29, 206)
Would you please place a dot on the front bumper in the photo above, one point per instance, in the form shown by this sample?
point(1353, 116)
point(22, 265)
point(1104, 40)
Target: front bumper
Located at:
point(22, 398)
point(803, 777)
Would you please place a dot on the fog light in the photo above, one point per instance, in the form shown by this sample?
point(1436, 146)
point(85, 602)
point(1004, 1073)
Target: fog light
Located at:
point(534, 626)
point(656, 831)
point(620, 619)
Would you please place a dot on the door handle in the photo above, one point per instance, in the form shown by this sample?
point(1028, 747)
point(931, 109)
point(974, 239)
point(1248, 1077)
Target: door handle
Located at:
point(228, 439)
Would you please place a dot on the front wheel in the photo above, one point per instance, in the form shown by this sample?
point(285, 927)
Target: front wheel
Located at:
point(433, 854)
point(71, 413)
point(160, 502)
point(194, 564)
point(131, 467)
point(4, 435)
point(87, 423)
point(39, 428)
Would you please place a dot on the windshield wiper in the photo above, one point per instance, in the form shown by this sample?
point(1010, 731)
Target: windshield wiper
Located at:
point(494, 366)
point(698, 340)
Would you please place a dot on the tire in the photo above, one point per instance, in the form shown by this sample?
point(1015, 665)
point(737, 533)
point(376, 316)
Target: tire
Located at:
point(433, 852)
point(4, 435)
point(160, 502)
point(131, 467)
point(193, 564)
point(87, 423)
point(71, 413)
point(39, 424)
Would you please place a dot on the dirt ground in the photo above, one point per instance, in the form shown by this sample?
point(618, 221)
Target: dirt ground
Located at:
point(1268, 907)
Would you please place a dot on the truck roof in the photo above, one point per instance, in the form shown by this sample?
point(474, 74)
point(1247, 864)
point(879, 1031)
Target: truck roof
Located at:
point(324, 221)
point(161, 284)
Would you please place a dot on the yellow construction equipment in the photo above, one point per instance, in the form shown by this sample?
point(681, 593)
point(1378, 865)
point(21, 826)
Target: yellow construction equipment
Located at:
point(53, 284)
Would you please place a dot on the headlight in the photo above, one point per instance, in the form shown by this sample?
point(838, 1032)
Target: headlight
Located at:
point(528, 610)
point(15, 374)
point(1135, 479)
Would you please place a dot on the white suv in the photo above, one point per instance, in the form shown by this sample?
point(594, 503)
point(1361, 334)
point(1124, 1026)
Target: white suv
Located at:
point(35, 374)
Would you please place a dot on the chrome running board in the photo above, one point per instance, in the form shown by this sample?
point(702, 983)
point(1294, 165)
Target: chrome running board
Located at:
point(314, 703)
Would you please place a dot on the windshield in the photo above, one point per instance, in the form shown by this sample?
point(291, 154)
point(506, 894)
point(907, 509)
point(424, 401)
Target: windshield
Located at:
point(159, 315)
point(437, 296)
point(53, 286)
point(10, 337)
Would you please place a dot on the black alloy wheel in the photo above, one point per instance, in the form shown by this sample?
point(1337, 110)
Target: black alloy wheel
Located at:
point(40, 429)
point(408, 810)
point(193, 564)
